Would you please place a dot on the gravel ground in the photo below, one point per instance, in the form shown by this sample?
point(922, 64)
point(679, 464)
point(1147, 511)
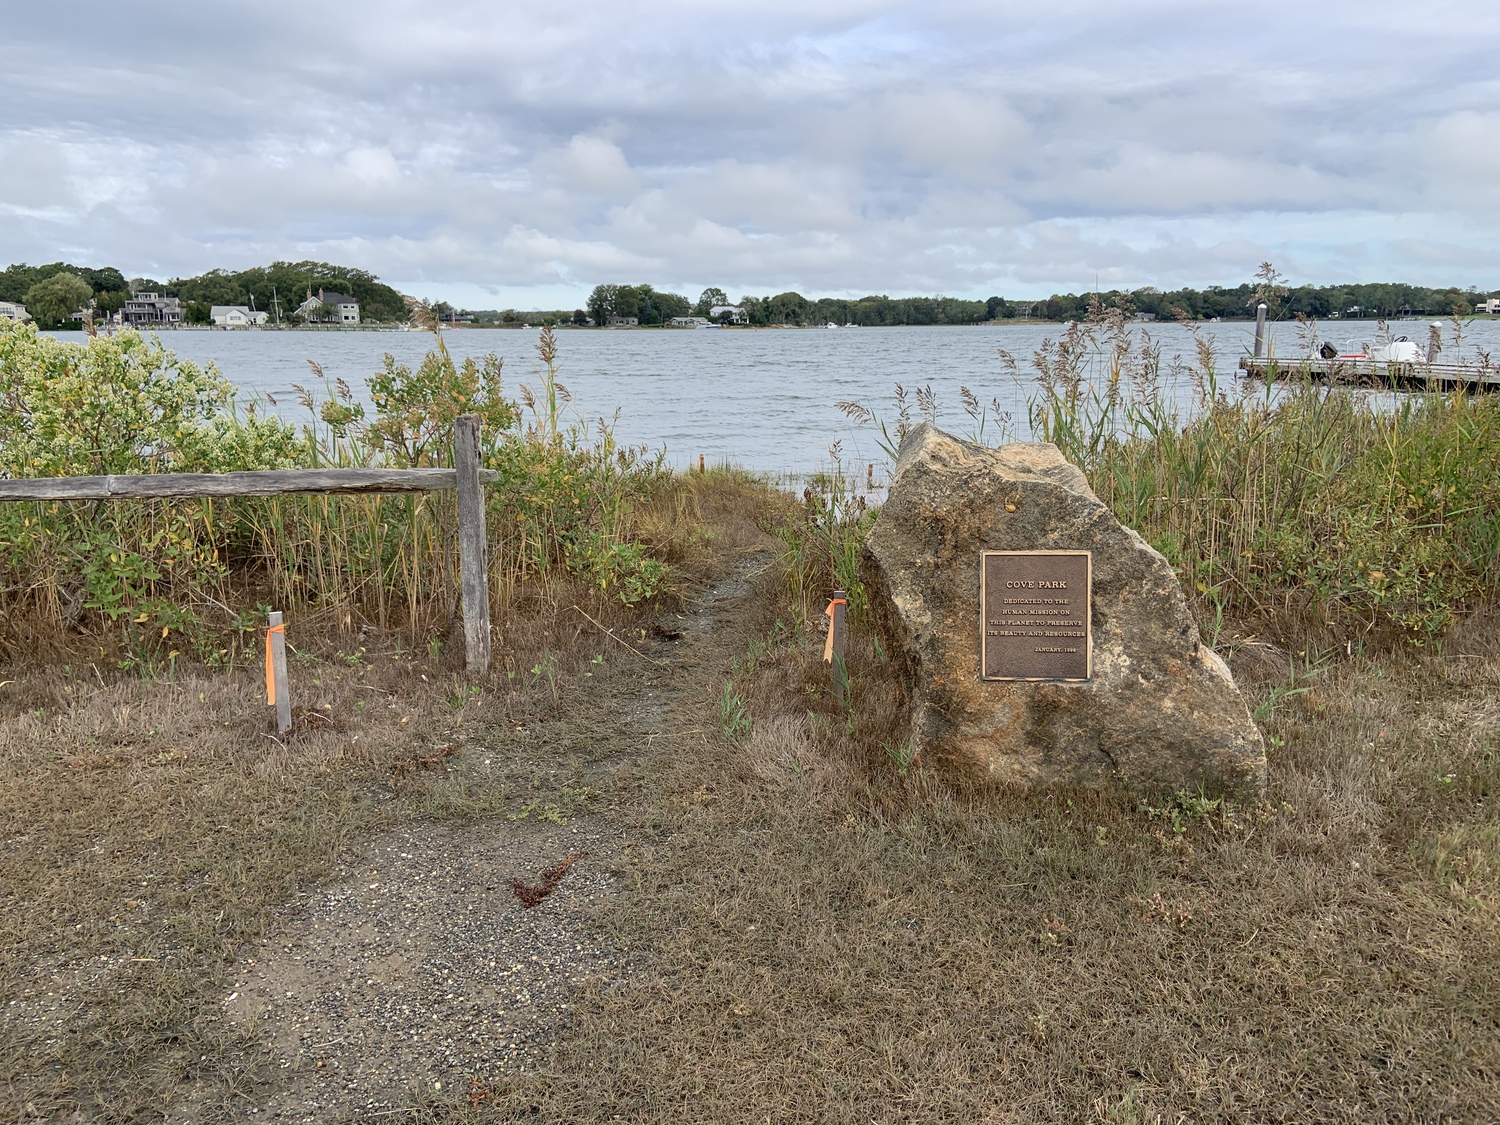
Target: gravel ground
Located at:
point(415, 972)
point(420, 970)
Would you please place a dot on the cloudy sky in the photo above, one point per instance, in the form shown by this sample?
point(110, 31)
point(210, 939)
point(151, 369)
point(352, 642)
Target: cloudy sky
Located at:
point(516, 154)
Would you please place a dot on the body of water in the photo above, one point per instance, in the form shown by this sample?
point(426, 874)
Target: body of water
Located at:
point(764, 399)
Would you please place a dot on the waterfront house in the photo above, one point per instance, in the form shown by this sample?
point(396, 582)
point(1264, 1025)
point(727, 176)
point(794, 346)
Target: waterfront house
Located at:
point(150, 310)
point(13, 310)
point(1491, 306)
point(621, 321)
point(734, 314)
point(235, 316)
point(329, 307)
point(690, 322)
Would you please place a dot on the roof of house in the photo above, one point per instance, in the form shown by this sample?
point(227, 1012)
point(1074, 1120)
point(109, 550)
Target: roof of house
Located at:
point(329, 297)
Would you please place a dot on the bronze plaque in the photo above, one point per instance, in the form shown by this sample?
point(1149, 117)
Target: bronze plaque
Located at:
point(1034, 615)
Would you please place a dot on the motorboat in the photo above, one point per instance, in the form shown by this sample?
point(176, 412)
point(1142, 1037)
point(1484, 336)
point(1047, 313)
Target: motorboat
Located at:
point(1402, 349)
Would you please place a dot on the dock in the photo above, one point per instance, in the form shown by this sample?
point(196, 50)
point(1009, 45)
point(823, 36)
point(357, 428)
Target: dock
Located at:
point(1367, 372)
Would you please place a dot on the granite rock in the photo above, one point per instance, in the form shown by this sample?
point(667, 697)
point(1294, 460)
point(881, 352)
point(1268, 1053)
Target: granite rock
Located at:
point(1160, 711)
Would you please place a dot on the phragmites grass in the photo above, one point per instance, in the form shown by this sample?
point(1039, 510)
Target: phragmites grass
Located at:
point(144, 583)
point(1303, 506)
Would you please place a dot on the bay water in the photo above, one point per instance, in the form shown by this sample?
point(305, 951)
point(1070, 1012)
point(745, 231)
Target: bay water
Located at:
point(763, 399)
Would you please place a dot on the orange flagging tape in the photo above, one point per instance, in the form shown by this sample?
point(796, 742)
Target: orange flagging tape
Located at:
point(271, 665)
point(828, 644)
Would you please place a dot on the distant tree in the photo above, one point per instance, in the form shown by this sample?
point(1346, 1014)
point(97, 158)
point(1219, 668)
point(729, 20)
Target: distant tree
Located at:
point(216, 287)
point(756, 309)
point(283, 285)
point(52, 302)
point(627, 301)
point(601, 303)
point(787, 308)
point(710, 297)
point(197, 312)
point(671, 304)
point(580, 317)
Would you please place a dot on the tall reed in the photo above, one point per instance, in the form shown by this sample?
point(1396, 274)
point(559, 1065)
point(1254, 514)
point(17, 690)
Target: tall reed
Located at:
point(154, 579)
point(1321, 505)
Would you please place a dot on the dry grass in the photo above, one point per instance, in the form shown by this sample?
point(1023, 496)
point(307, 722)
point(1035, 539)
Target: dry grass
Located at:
point(818, 934)
point(152, 828)
point(834, 941)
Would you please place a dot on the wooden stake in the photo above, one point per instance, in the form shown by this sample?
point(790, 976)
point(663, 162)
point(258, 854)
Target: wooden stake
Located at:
point(833, 649)
point(278, 692)
point(473, 553)
point(1260, 329)
point(700, 462)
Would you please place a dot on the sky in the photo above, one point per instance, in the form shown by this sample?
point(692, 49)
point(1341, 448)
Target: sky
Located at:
point(517, 154)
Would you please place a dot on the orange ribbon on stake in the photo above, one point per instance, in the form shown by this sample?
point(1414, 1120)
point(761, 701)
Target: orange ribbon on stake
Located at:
point(271, 665)
point(828, 644)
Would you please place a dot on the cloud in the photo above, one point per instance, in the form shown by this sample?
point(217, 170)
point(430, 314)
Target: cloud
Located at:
point(35, 178)
point(863, 145)
point(589, 165)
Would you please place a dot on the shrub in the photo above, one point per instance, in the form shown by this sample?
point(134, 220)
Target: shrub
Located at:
point(159, 574)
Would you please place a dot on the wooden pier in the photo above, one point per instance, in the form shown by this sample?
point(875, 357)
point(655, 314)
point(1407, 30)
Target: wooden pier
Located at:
point(1365, 372)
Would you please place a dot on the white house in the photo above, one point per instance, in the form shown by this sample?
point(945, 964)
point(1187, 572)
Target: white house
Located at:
point(235, 316)
point(735, 314)
point(340, 308)
point(13, 310)
point(622, 321)
point(689, 322)
point(1491, 306)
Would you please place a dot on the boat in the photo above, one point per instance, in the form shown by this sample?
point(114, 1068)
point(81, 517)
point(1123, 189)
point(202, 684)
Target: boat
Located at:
point(1403, 349)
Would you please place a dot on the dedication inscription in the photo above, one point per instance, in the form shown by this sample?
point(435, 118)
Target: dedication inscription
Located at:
point(1034, 615)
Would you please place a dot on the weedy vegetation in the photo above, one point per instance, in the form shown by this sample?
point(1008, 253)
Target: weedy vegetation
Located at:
point(829, 927)
point(149, 581)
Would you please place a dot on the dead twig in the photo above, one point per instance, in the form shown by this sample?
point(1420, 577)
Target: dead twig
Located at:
point(624, 642)
point(416, 762)
point(532, 895)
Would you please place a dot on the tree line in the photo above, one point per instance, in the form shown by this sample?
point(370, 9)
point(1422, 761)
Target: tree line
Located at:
point(53, 293)
point(1377, 300)
point(1354, 301)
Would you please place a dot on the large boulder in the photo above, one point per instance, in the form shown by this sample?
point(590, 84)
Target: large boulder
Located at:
point(1158, 711)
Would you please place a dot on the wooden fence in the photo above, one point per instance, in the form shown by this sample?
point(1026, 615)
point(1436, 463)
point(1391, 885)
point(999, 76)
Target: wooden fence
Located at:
point(466, 477)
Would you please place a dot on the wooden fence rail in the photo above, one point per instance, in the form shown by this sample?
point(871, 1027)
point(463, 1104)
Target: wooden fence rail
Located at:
point(468, 479)
point(267, 482)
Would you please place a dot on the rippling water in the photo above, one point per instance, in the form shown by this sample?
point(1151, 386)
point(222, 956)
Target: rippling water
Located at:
point(763, 399)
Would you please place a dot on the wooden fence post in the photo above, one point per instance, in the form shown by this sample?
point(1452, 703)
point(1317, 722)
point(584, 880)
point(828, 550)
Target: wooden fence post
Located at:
point(1260, 330)
point(278, 691)
point(473, 545)
point(833, 650)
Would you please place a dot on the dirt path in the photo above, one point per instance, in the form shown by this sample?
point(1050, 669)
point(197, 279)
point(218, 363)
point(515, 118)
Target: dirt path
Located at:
point(416, 971)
